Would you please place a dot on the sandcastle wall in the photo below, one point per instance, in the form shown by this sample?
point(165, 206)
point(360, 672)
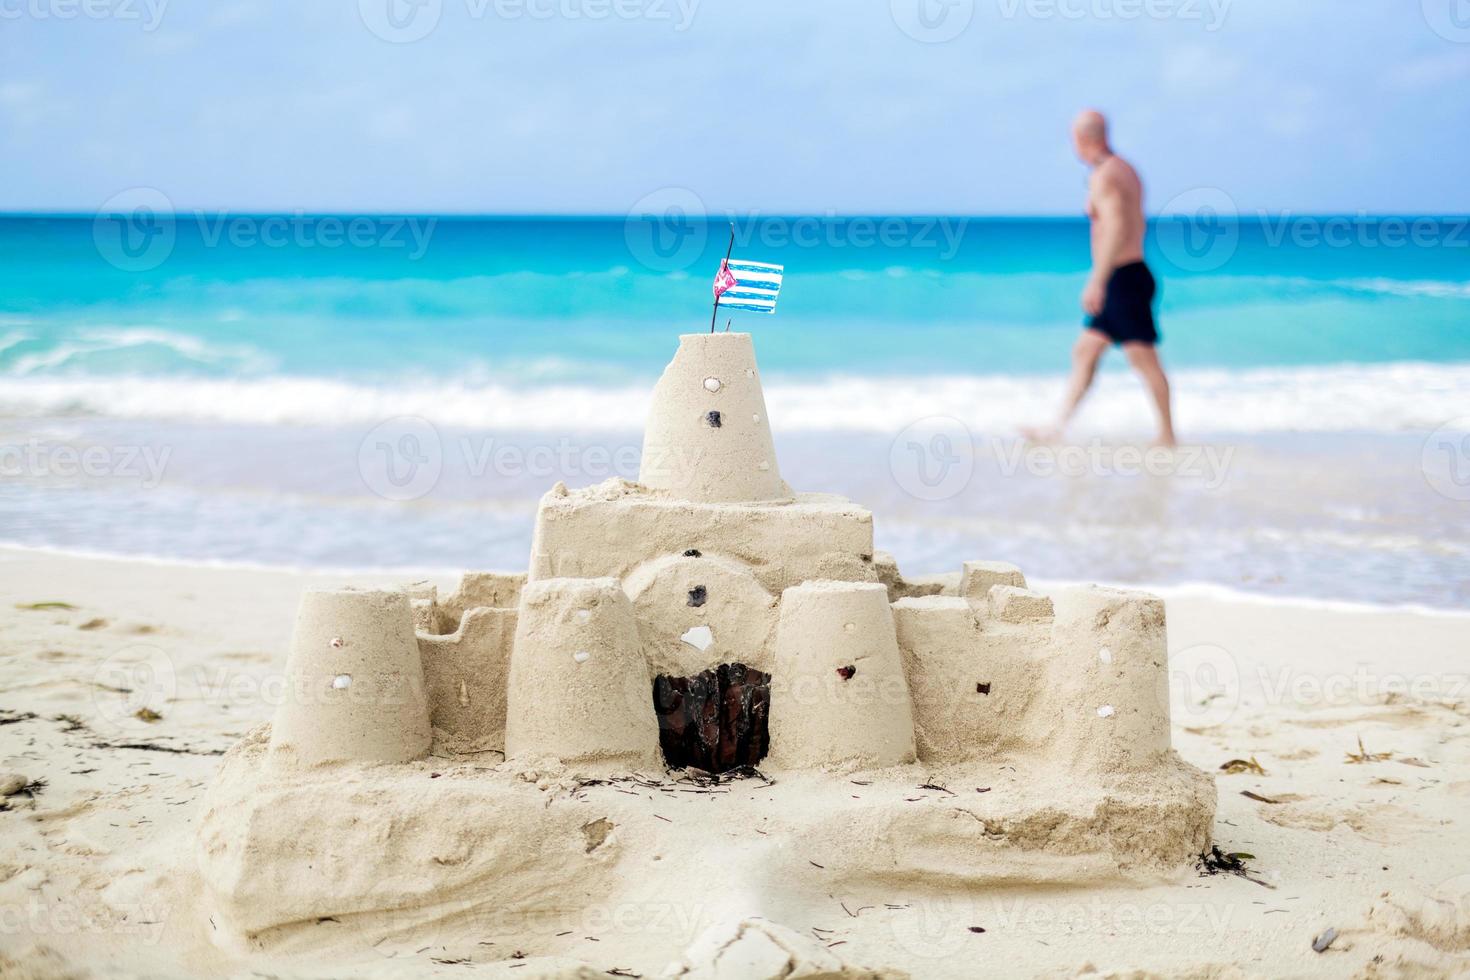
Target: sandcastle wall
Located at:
point(973, 680)
point(466, 674)
point(1079, 678)
point(616, 526)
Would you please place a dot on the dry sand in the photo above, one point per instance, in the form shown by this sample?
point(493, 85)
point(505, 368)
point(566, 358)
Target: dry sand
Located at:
point(96, 867)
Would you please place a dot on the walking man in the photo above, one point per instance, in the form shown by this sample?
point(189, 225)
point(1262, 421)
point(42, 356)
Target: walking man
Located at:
point(1118, 298)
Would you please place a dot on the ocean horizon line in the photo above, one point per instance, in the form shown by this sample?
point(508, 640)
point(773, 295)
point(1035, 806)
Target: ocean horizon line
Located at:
point(716, 216)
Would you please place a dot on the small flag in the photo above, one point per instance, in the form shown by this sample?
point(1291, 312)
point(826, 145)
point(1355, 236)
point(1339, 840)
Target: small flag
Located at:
point(751, 286)
point(724, 279)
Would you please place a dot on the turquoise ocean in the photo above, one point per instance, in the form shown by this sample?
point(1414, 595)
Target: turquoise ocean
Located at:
point(234, 388)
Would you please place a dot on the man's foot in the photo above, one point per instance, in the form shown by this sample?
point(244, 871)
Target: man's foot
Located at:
point(1166, 441)
point(1041, 433)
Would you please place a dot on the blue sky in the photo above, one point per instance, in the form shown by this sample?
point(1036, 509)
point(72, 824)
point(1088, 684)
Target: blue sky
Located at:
point(806, 106)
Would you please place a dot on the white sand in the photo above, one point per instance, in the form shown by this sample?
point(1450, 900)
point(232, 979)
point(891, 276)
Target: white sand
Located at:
point(96, 871)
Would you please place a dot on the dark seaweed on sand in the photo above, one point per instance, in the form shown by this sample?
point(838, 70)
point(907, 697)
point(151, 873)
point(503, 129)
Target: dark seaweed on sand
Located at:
point(1217, 862)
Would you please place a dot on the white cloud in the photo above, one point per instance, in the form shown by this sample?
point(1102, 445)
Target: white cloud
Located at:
point(23, 104)
point(1429, 72)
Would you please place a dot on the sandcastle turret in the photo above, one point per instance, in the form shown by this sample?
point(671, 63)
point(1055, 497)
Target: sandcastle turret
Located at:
point(1109, 676)
point(579, 686)
point(839, 695)
point(354, 681)
point(708, 438)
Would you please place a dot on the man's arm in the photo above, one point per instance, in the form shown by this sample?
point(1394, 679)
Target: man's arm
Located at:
point(1110, 229)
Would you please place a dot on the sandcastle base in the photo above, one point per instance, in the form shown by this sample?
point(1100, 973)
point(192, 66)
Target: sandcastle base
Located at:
point(537, 847)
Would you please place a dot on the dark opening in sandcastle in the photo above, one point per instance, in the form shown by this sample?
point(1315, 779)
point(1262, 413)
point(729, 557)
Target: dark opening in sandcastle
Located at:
point(715, 720)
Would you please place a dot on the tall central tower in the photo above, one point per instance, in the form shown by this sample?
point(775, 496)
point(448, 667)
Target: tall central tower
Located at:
point(708, 438)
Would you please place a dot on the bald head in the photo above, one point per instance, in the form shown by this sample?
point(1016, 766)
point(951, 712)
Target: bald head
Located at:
point(1090, 135)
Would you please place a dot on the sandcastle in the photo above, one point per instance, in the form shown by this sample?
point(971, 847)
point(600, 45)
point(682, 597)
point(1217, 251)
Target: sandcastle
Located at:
point(509, 745)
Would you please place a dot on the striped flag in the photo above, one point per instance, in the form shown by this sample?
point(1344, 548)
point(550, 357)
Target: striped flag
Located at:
point(749, 286)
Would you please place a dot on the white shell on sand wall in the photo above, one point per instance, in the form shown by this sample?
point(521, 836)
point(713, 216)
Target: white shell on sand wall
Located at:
point(691, 459)
point(700, 638)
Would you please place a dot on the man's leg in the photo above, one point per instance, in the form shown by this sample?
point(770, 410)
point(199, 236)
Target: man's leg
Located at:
point(1145, 360)
point(1086, 353)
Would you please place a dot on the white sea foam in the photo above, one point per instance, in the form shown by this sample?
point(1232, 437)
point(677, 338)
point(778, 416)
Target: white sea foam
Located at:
point(99, 340)
point(12, 338)
point(1435, 288)
point(1403, 396)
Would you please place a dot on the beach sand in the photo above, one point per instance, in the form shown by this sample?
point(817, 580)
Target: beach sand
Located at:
point(1358, 822)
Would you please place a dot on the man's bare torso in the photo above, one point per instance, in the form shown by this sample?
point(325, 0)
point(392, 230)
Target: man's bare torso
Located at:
point(1115, 205)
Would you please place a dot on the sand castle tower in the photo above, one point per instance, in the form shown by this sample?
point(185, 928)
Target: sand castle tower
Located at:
point(579, 688)
point(840, 695)
point(708, 438)
point(1112, 669)
point(354, 682)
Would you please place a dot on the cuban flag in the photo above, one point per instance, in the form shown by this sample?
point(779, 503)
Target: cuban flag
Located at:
point(751, 286)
